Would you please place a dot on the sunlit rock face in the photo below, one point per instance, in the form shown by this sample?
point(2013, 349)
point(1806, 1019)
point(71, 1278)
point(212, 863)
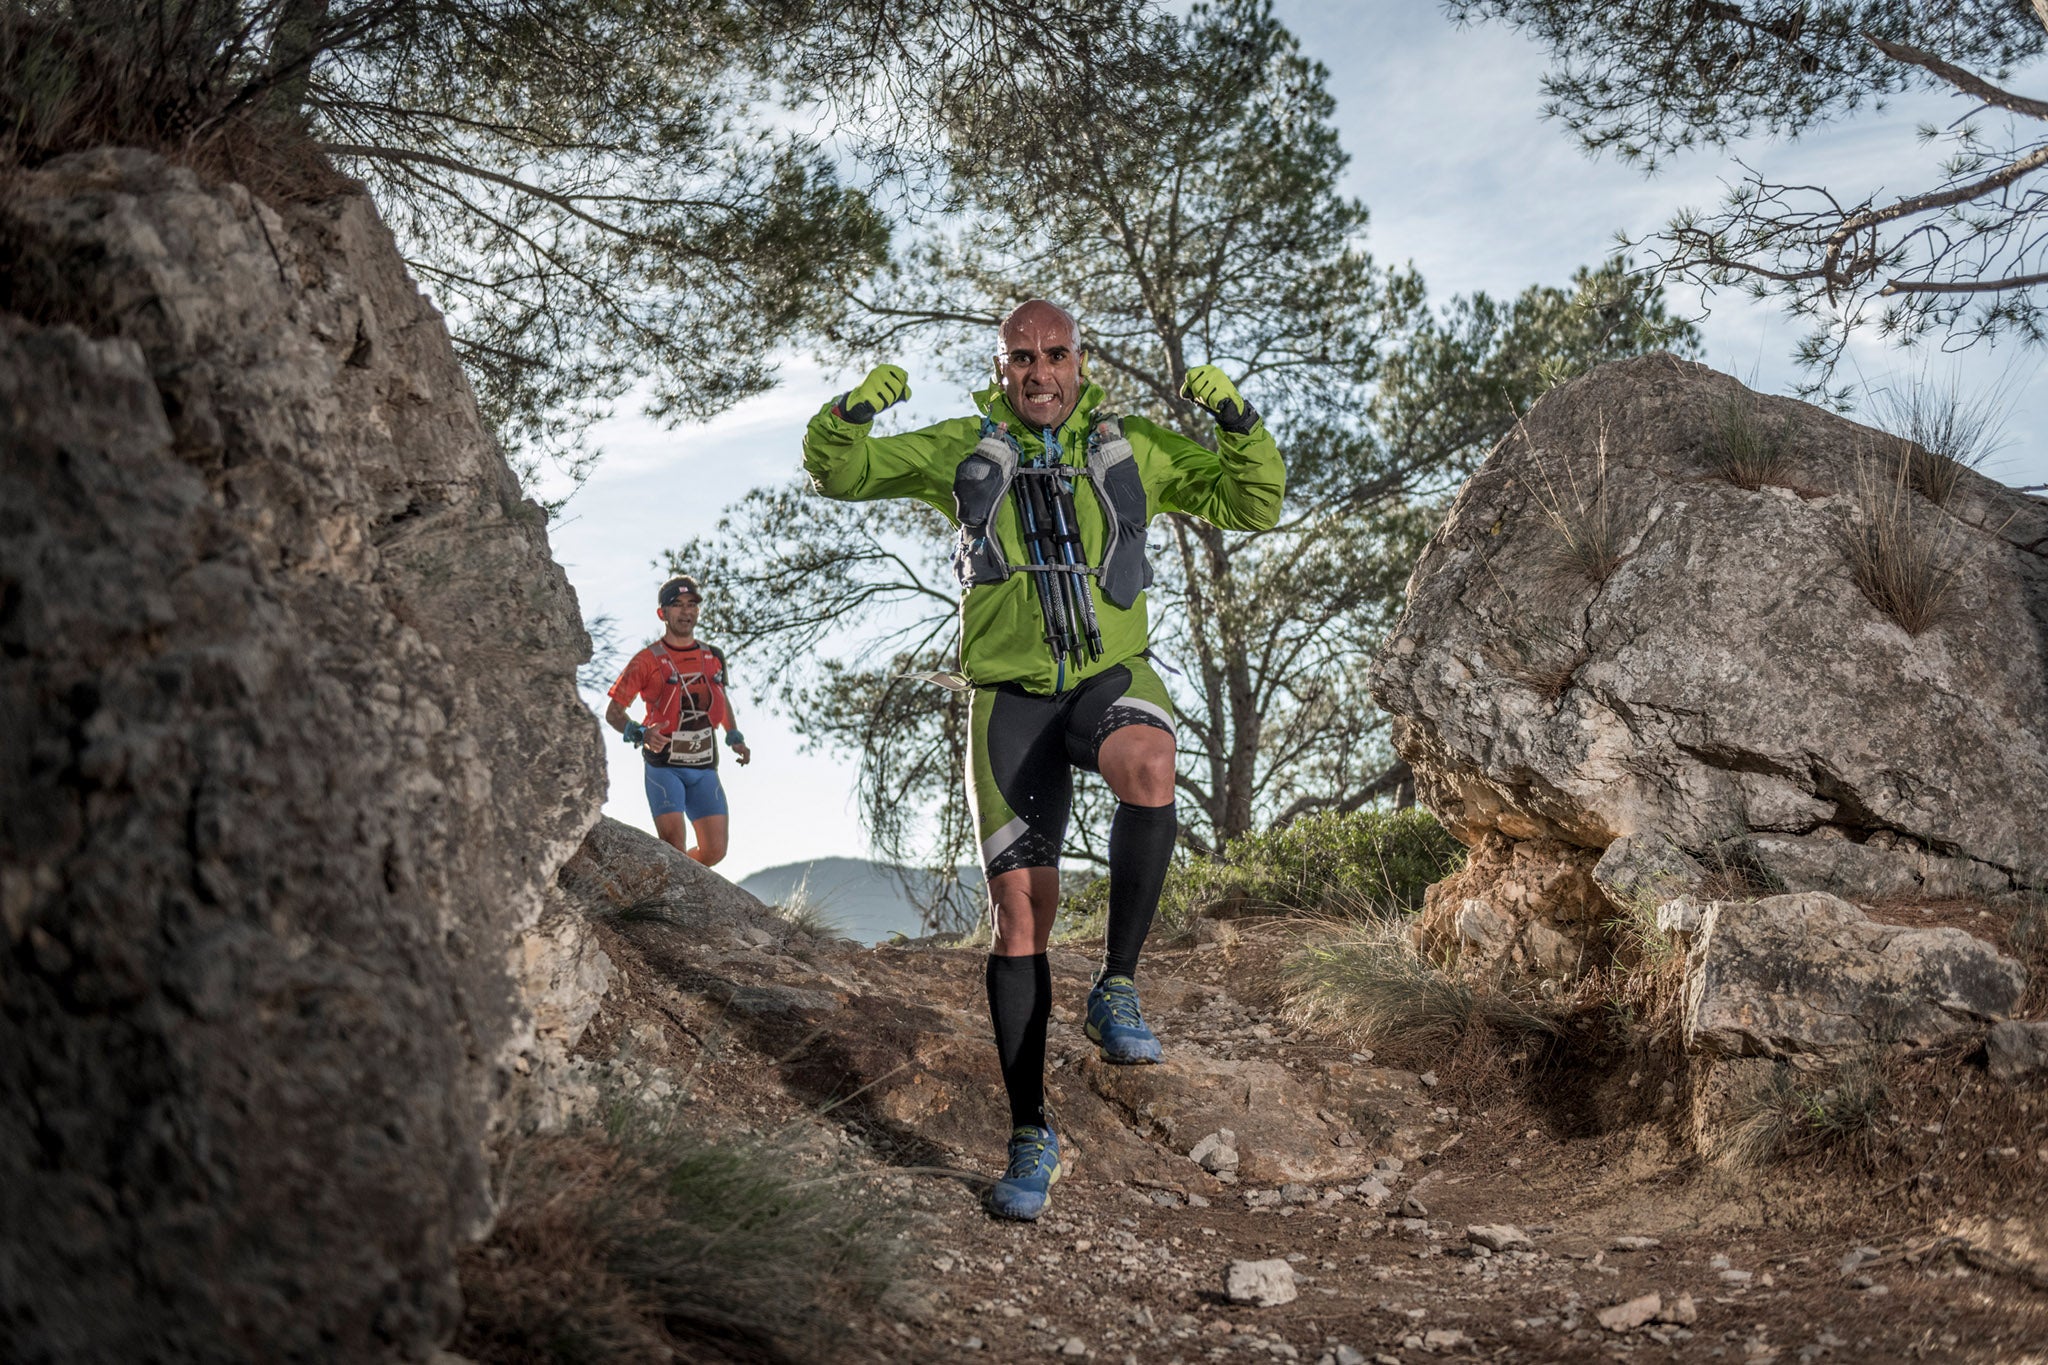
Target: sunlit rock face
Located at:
point(1608, 637)
point(292, 751)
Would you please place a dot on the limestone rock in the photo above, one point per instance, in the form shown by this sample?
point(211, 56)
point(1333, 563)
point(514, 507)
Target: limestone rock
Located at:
point(1531, 905)
point(1647, 869)
point(2018, 1051)
point(293, 752)
point(562, 975)
point(1680, 918)
point(623, 870)
point(1266, 1284)
point(1727, 682)
point(1263, 1104)
point(1813, 974)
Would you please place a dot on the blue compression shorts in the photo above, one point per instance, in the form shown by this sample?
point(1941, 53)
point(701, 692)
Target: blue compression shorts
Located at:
point(694, 793)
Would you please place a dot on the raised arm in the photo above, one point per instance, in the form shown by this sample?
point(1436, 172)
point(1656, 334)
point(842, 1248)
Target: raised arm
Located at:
point(845, 461)
point(1237, 486)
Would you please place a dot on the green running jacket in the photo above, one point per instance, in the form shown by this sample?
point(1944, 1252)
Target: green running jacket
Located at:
point(1237, 487)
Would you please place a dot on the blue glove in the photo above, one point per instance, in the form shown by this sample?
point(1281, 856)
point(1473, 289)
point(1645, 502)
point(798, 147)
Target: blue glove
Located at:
point(634, 734)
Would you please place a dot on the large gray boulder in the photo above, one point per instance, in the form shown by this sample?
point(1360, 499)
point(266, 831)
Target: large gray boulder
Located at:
point(1811, 974)
point(292, 753)
point(1726, 691)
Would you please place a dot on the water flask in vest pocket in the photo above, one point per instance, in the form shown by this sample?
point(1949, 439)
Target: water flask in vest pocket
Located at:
point(692, 748)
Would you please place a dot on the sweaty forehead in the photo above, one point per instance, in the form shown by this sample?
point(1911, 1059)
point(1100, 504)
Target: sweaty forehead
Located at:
point(1038, 327)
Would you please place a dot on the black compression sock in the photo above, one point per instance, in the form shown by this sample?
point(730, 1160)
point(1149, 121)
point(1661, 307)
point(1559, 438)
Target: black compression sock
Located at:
point(1019, 1003)
point(1140, 847)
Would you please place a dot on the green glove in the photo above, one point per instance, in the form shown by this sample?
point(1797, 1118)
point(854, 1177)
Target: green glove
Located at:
point(885, 386)
point(1211, 388)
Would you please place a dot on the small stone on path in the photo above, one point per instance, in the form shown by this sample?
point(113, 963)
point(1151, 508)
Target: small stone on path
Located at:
point(1626, 1317)
point(1682, 1312)
point(1497, 1236)
point(1073, 1346)
point(1216, 1152)
point(1267, 1284)
point(1634, 1243)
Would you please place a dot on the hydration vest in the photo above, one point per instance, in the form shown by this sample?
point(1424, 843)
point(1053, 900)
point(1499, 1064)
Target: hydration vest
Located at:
point(985, 477)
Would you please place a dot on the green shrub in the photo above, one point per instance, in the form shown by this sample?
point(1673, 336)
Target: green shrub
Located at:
point(1355, 863)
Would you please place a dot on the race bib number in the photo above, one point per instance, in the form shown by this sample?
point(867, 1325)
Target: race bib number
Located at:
point(692, 749)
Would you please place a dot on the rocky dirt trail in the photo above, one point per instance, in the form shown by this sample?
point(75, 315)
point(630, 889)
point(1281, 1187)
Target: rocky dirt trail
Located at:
point(1414, 1217)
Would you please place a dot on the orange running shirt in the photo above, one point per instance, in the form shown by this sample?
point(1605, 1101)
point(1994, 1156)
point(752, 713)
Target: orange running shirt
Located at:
point(685, 694)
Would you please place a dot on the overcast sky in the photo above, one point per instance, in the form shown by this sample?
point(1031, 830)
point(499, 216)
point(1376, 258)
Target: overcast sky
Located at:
point(1464, 180)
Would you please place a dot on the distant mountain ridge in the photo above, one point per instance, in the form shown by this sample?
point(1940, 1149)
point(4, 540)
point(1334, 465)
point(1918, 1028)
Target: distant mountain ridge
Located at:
point(864, 899)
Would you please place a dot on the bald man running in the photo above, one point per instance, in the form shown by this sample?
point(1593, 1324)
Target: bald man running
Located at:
point(1052, 494)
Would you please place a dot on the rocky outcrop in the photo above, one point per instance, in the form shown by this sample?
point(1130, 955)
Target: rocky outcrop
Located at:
point(1812, 974)
point(1609, 641)
point(293, 752)
point(1734, 679)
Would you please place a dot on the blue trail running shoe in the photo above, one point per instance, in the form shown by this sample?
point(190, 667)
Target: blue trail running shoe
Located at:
point(1116, 1025)
point(1034, 1165)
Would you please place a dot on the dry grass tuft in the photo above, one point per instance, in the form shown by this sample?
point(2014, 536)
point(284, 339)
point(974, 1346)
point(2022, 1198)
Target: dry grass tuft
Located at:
point(1736, 873)
point(807, 912)
point(166, 77)
point(1534, 652)
point(1372, 981)
point(1904, 552)
point(1548, 676)
point(1786, 1114)
point(651, 1243)
point(1588, 530)
point(2028, 941)
point(1941, 432)
point(1643, 984)
point(1745, 449)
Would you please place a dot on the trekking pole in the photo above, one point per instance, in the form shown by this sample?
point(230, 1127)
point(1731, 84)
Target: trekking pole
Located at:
point(1034, 545)
point(1045, 552)
point(1067, 524)
point(1073, 594)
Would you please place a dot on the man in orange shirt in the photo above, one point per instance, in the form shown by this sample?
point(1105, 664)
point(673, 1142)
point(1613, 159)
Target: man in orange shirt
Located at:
point(682, 681)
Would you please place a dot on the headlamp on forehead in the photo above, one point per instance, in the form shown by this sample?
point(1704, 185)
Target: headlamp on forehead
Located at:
point(673, 591)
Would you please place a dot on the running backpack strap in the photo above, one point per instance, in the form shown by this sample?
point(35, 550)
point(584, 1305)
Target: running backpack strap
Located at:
point(979, 485)
point(1113, 469)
